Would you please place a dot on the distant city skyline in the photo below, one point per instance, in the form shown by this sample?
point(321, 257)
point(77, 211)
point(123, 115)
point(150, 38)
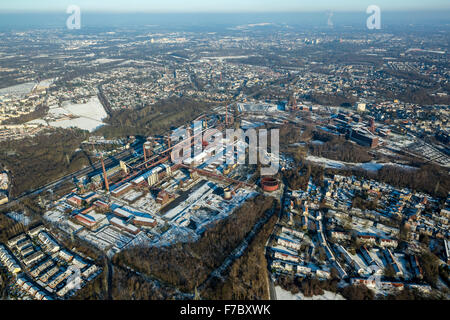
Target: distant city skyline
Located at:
point(227, 6)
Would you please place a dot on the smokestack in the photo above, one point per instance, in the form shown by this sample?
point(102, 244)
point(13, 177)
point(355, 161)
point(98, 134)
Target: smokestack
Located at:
point(226, 115)
point(104, 174)
point(145, 152)
point(227, 194)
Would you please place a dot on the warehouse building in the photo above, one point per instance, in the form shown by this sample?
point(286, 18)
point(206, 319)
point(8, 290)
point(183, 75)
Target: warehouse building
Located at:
point(144, 221)
point(123, 226)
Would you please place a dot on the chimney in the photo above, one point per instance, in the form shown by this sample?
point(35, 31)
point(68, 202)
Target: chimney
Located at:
point(104, 174)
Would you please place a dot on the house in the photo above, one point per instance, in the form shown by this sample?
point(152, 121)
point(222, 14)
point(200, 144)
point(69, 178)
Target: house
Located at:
point(351, 261)
point(387, 285)
point(289, 243)
point(321, 274)
point(292, 232)
point(90, 218)
point(121, 213)
point(48, 241)
point(102, 205)
point(340, 236)
point(369, 283)
point(304, 270)
point(65, 255)
point(12, 242)
point(388, 243)
point(34, 232)
point(285, 257)
point(32, 258)
point(89, 271)
point(367, 239)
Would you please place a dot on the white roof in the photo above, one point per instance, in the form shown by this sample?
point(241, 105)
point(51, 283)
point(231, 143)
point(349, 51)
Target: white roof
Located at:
point(119, 222)
point(144, 219)
point(124, 213)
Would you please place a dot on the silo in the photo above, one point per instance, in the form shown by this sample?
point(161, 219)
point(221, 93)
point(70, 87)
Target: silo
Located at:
point(227, 194)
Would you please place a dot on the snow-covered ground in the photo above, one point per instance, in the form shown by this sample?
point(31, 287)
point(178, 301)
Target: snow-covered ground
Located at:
point(88, 116)
point(18, 90)
point(103, 61)
point(369, 166)
point(82, 123)
point(174, 235)
point(286, 295)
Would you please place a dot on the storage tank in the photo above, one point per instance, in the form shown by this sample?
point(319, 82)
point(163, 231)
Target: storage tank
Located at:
point(227, 194)
point(147, 149)
point(269, 184)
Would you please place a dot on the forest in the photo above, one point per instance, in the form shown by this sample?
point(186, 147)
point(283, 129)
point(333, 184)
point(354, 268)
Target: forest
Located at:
point(36, 161)
point(248, 276)
point(429, 178)
point(338, 148)
point(155, 119)
point(187, 265)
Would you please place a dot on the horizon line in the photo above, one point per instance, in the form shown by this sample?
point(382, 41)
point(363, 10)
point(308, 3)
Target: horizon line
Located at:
point(436, 10)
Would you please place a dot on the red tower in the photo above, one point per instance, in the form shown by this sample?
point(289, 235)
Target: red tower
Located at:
point(226, 115)
point(104, 174)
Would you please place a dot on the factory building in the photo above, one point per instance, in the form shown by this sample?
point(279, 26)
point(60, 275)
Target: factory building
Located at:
point(123, 226)
point(86, 220)
point(364, 139)
point(144, 221)
point(122, 190)
point(163, 197)
point(121, 213)
point(101, 205)
point(75, 201)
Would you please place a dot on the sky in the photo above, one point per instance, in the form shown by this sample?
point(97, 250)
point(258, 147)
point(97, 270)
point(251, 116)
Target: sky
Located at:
point(227, 6)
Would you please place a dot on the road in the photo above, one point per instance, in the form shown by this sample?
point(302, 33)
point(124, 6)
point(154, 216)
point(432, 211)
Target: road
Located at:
point(272, 292)
point(157, 283)
point(109, 280)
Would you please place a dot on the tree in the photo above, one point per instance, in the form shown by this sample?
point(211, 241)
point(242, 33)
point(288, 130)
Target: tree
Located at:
point(389, 272)
point(425, 239)
point(358, 292)
point(430, 266)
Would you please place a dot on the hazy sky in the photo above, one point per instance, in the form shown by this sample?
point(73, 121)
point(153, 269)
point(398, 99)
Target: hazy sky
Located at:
point(221, 5)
